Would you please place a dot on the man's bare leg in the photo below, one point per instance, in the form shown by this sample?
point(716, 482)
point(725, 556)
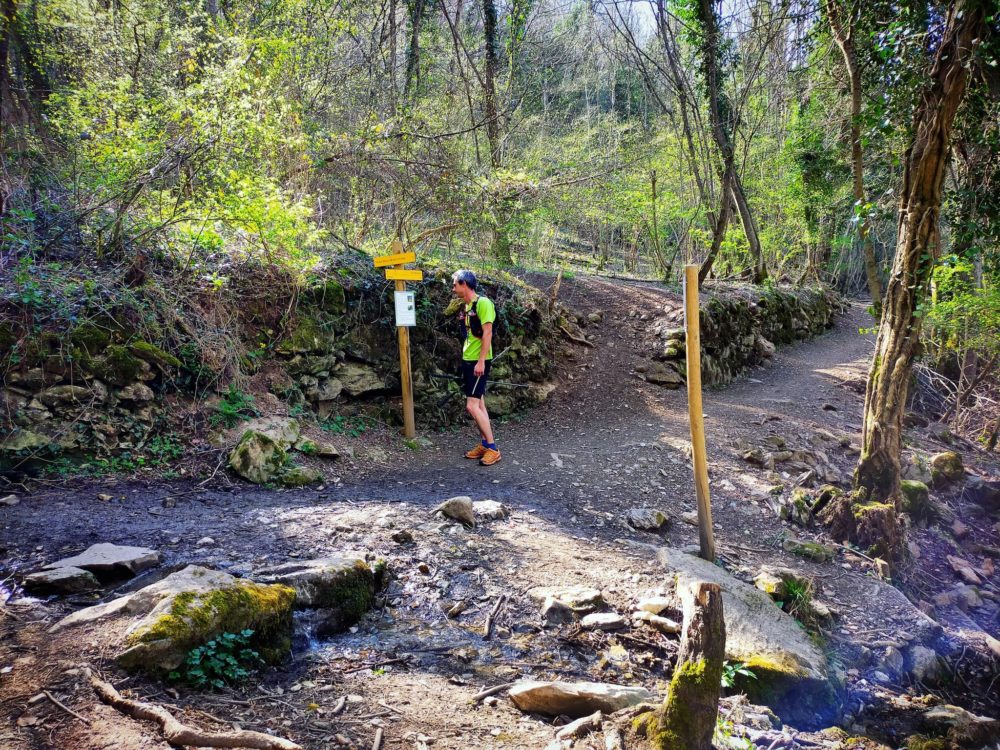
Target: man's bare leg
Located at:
point(477, 410)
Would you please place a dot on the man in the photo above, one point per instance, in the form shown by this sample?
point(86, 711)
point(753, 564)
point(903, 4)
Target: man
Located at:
point(477, 315)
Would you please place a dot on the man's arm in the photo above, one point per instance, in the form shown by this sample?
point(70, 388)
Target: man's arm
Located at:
point(480, 367)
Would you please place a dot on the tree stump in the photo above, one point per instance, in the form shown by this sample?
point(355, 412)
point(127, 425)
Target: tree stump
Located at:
point(688, 717)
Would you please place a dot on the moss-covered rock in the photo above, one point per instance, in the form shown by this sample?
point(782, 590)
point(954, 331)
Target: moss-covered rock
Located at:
point(916, 500)
point(343, 587)
point(298, 476)
point(117, 366)
point(947, 467)
point(90, 337)
point(307, 336)
point(878, 528)
point(186, 619)
point(153, 354)
point(258, 458)
point(330, 296)
point(809, 550)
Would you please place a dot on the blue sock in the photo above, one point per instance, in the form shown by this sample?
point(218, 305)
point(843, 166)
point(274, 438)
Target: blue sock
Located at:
point(485, 444)
point(491, 446)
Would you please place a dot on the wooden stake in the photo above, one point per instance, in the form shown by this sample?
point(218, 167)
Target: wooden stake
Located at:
point(700, 458)
point(405, 374)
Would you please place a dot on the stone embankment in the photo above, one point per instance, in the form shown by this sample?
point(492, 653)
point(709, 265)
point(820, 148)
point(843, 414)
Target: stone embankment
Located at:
point(739, 330)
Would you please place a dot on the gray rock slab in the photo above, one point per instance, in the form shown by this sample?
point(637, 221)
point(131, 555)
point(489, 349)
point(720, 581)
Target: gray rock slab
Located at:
point(110, 559)
point(603, 621)
point(66, 580)
point(576, 699)
point(788, 666)
point(577, 598)
point(647, 519)
point(490, 510)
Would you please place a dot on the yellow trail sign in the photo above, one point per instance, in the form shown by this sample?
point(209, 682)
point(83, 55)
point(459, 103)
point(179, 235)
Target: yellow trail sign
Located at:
point(395, 260)
point(404, 274)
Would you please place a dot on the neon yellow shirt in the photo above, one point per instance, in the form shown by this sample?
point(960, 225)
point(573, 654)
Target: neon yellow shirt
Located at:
point(473, 345)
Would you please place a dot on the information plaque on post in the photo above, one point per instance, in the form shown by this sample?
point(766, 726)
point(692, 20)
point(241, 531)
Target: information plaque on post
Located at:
point(406, 309)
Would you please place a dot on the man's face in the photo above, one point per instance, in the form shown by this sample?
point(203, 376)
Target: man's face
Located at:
point(457, 288)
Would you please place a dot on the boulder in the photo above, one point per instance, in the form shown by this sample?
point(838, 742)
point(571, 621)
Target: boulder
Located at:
point(647, 519)
point(946, 467)
point(258, 458)
point(342, 587)
point(581, 599)
point(923, 665)
point(916, 500)
point(299, 476)
point(316, 448)
point(61, 581)
point(136, 392)
point(110, 560)
point(490, 510)
point(64, 394)
point(664, 375)
point(359, 380)
point(190, 607)
point(655, 604)
point(576, 699)
point(916, 466)
point(984, 493)
point(458, 509)
point(791, 672)
point(283, 430)
point(554, 612)
point(603, 621)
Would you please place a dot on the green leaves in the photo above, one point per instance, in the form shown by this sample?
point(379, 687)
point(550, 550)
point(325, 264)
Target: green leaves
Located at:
point(223, 660)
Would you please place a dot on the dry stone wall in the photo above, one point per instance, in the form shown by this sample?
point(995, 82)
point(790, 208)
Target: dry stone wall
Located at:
point(740, 329)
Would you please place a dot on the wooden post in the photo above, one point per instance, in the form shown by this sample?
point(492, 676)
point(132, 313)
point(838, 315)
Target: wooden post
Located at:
point(405, 373)
point(691, 311)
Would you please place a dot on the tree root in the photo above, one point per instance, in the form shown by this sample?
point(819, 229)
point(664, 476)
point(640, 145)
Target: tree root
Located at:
point(575, 339)
point(178, 734)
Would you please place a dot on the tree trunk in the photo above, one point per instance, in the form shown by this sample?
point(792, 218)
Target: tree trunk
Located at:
point(490, 81)
point(749, 229)
point(719, 230)
point(688, 716)
point(877, 474)
point(416, 8)
point(844, 37)
point(720, 111)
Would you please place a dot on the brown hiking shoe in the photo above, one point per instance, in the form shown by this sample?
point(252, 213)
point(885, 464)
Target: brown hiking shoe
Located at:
point(490, 457)
point(478, 452)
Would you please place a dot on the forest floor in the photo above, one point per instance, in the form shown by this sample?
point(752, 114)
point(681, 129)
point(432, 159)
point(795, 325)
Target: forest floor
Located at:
point(604, 442)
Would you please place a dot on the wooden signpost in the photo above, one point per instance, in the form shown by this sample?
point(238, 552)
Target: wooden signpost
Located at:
point(405, 317)
point(691, 310)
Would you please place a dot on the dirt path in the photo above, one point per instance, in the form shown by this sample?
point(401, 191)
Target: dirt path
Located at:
point(604, 442)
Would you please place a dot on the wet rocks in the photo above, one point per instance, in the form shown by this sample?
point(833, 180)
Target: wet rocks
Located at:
point(576, 699)
point(341, 588)
point(581, 599)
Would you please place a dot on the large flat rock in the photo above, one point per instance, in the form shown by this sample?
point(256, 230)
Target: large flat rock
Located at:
point(190, 607)
point(110, 559)
point(576, 699)
point(792, 673)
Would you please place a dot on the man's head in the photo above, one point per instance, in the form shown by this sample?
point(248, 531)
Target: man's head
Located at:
point(463, 284)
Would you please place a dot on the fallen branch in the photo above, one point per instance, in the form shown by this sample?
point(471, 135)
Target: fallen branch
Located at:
point(66, 708)
point(377, 744)
point(491, 691)
point(575, 339)
point(178, 734)
point(488, 627)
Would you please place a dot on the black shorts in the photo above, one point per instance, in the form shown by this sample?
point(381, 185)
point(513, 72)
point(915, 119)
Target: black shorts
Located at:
point(472, 386)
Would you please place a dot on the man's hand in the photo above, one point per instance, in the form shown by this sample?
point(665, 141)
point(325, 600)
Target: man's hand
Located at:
point(480, 368)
